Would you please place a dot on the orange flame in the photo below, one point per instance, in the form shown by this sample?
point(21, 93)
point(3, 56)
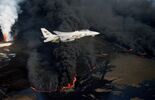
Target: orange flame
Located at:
point(5, 36)
point(70, 85)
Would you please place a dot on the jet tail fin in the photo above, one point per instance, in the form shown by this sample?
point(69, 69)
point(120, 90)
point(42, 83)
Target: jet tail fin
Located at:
point(46, 33)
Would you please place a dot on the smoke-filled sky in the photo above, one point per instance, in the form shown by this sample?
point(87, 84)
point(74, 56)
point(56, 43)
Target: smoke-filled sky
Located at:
point(129, 23)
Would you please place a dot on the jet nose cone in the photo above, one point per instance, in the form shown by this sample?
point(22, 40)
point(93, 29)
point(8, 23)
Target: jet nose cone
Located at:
point(97, 33)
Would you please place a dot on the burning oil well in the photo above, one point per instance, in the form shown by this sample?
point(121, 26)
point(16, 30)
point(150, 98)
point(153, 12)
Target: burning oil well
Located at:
point(55, 67)
point(8, 16)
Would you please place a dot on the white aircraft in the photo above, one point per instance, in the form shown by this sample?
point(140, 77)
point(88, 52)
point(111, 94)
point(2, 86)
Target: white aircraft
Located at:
point(5, 44)
point(66, 36)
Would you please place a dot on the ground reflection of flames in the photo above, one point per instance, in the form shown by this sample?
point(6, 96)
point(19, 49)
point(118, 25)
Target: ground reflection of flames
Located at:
point(41, 91)
point(67, 88)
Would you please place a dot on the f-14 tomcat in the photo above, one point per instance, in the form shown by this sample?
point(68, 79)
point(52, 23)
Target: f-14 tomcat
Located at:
point(66, 36)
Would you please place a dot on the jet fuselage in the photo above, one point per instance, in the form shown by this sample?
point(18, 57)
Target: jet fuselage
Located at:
point(66, 36)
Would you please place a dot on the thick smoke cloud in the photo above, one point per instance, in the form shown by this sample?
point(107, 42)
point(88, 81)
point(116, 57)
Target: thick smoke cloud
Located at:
point(51, 66)
point(40, 76)
point(9, 10)
point(129, 23)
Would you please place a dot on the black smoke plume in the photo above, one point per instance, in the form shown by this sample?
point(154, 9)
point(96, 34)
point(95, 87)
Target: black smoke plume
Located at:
point(129, 23)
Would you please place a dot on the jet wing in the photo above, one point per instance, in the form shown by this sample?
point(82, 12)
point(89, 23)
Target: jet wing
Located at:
point(57, 32)
point(63, 33)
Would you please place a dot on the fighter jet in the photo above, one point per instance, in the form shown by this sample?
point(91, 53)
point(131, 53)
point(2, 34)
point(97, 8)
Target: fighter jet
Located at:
point(66, 36)
point(7, 44)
